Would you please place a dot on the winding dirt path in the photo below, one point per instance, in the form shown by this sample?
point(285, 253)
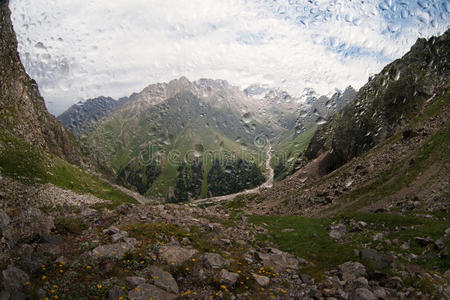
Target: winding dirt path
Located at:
point(265, 185)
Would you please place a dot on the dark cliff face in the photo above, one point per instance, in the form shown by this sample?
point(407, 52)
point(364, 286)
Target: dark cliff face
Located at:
point(385, 103)
point(23, 113)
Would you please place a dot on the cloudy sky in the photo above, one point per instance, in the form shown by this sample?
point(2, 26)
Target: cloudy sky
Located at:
point(81, 49)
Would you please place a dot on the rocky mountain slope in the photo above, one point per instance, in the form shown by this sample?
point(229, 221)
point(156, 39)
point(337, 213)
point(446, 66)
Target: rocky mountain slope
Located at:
point(84, 116)
point(22, 109)
point(386, 103)
point(315, 111)
point(168, 137)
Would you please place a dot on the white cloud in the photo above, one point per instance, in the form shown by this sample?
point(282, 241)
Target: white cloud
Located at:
point(85, 49)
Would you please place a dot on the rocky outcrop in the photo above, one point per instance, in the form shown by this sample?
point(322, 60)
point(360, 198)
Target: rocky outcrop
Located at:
point(22, 109)
point(385, 103)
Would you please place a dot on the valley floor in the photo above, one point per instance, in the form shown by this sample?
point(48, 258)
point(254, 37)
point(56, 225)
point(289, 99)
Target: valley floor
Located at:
point(68, 251)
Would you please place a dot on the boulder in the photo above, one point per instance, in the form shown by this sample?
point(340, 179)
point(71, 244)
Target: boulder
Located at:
point(14, 279)
point(278, 260)
point(114, 250)
point(378, 260)
point(352, 270)
point(164, 280)
point(261, 280)
point(30, 226)
point(176, 255)
point(228, 278)
point(338, 231)
point(215, 261)
point(148, 291)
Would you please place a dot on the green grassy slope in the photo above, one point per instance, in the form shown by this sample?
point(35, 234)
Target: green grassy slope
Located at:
point(22, 161)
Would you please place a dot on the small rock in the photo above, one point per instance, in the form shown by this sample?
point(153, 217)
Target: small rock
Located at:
point(111, 230)
point(118, 236)
point(377, 259)
point(352, 270)
point(147, 291)
point(14, 278)
point(394, 283)
point(261, 280)
point(114, 250)
point(176, 255)
point(226, 242)
point(288, 230)
point(362, 224)
point(378, 237)
point(362, 294)
point(49, 249)
point(446, 292)
point(4, 221)
point(135, 280)
point(88, 212)
point(338, 231)
point(62, 260)
point(405, 246)
point(278, 260)
point(164, 280)
point(413, 269)
point(130, 241)
point(380, 293)
point(215, 261)
point(353, 284)
point(302, 261)
point(241, 242)
point(439, 244)
point(306, 278)
point(115, 293)
point(228, 278)
point(423, 241)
